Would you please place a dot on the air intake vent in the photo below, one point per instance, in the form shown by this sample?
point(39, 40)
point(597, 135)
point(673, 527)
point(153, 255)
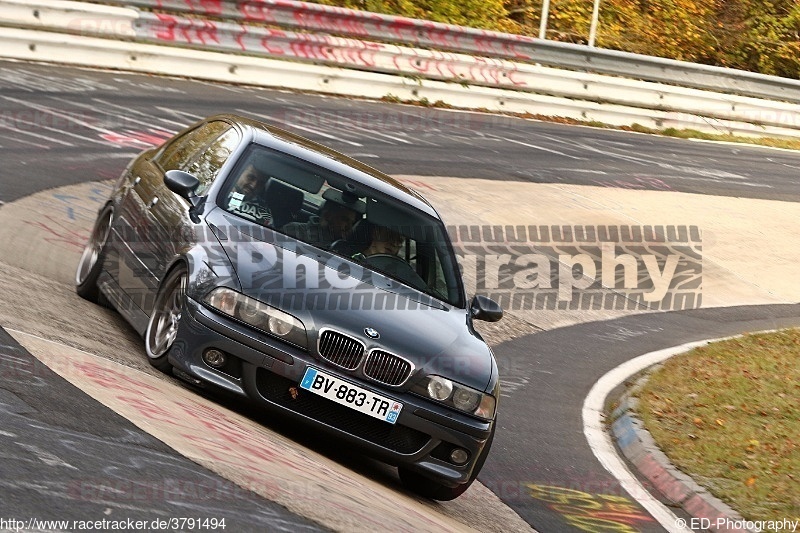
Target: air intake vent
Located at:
point(340, 349)
point(387, 368)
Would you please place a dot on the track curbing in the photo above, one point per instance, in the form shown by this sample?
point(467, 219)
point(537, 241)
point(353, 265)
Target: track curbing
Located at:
point(629, 436)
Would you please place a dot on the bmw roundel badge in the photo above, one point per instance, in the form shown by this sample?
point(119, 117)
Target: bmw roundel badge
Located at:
point(372, 333)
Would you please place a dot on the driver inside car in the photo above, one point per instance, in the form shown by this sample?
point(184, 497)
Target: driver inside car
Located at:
point(381, 253)
point(382, 241)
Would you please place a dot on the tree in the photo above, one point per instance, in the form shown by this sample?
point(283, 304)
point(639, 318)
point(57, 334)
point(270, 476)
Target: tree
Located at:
point(487, 14)
point(757, 35)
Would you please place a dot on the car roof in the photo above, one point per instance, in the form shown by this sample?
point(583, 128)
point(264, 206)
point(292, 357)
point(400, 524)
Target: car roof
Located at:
point(306, 149)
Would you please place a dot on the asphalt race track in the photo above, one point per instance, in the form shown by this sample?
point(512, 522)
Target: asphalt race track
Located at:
point(60, 446)
point(544, 445)
point(66, 455)
point(61, 110)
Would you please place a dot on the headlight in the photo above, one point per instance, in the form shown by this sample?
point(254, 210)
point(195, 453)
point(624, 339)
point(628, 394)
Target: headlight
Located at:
point(258, 315)
point(439, 388)
point(459, 396)
point(466, 399)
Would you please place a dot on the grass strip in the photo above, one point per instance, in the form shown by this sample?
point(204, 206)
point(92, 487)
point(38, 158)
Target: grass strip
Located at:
point(728, 414)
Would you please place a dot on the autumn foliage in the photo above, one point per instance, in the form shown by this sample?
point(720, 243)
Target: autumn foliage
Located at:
point(757, 35)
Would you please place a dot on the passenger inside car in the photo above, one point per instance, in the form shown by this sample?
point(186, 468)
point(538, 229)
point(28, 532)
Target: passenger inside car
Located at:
point(285, 203)
point(248, 198)
point(337, 215)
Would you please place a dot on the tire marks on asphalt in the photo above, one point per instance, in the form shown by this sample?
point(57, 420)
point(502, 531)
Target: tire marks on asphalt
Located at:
point(57, 466)
point(246, 452)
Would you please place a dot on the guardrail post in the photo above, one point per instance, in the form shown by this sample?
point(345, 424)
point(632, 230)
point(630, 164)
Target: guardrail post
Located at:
point(595, 19)
point(543, 22)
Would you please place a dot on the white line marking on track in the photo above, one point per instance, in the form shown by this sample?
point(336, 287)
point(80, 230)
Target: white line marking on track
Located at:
point(297, 127)
point(369, 131)
point(581, 171)
point(542, 148)
point(38, 136)
point(124, 119)
point(44, 456)
point(716, 180)
point(56, 112)
point(179, 114)
point(62, 132)
point(600, 441)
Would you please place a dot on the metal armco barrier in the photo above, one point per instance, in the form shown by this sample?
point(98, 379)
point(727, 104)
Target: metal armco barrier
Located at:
point(327, 49)
point(703, 110)
point(447, 66)
point(484, 43)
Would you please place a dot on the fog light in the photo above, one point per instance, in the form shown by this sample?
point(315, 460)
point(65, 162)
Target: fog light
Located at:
point(459, 456)
point(214, 358)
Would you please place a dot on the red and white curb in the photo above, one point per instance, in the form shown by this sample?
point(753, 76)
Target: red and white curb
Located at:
point(640, 449)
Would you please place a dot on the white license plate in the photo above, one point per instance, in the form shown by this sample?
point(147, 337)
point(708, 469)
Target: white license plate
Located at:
point(352, 396)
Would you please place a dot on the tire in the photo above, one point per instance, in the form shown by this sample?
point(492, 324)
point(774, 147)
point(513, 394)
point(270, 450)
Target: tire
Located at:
point(428, 488)
point(91, 262)
point(162, 328)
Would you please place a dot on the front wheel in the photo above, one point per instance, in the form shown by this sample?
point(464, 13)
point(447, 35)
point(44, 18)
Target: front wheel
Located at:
point(428, 488)
point(162, 328)
point(91, 262)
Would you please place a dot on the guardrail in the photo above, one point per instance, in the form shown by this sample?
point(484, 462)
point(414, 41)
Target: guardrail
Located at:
point(560, 90)
point(482, 43)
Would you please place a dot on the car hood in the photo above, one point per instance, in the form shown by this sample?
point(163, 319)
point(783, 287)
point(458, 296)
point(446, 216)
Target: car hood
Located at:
point(327, 291)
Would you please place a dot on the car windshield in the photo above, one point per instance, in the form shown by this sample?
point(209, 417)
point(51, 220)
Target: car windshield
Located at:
point(329, 211)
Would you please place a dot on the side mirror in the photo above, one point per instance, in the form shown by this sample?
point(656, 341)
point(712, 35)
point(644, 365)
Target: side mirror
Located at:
point(483, 308)
point(182, 183)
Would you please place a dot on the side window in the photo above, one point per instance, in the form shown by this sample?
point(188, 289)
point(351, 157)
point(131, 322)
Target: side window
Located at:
point(178, 154)
point(206, 165)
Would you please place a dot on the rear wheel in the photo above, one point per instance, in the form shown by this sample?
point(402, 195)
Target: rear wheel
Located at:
point(91, 262)
point(428, 488)
point(162, 329)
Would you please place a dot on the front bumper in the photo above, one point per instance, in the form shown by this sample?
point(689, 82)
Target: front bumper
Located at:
point(268, 372)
